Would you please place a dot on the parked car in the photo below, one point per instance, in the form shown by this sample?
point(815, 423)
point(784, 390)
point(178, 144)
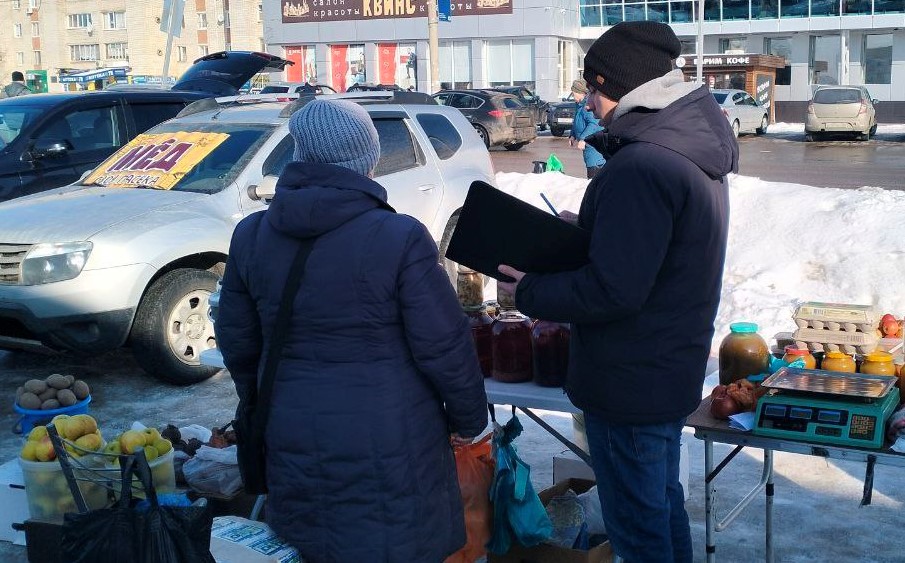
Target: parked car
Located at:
point(369, 87)
point(112, 261)
point(295, 88)
point(499, 118)
point(50, 140)
point(531, 100)
point(841, 109)
point(745, 115)
point(561, 115)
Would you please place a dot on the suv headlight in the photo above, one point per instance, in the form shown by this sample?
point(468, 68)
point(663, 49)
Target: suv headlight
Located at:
point(46, 263)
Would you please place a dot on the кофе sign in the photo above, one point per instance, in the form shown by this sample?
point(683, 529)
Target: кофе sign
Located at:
point(309, 11)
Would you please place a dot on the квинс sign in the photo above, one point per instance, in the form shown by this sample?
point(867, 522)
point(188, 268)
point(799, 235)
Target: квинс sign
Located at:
point(310, 11)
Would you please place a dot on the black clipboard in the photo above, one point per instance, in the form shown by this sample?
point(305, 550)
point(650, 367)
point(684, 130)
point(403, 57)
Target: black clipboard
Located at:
point(496, 228)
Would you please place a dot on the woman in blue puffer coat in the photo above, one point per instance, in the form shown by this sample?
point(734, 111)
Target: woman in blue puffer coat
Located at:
point(378, 372)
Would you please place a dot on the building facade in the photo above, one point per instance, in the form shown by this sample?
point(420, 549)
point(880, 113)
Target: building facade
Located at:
point(85, 44)
point(542, 42)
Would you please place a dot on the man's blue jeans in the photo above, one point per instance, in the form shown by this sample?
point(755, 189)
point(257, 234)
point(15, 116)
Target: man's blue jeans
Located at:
point(637, 470)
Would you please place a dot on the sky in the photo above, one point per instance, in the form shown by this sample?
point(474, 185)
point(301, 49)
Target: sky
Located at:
point(788, 243)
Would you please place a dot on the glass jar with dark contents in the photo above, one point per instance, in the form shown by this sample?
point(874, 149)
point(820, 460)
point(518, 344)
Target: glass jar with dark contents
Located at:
point(742, 353)
point(550, 353)
point(511, 347)
point(482, 334)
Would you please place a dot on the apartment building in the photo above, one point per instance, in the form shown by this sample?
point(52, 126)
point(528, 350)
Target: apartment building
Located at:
point(85, 44)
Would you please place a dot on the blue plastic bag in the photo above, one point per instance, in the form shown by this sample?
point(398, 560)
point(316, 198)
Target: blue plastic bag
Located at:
point(518, 513)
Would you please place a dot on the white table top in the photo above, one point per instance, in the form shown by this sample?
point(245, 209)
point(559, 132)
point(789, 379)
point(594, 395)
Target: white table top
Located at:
point(528, 395)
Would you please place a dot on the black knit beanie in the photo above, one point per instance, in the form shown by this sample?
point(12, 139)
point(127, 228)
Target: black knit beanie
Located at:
point(628, 55)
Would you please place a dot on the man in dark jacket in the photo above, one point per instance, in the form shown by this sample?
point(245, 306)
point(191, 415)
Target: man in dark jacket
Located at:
point(378, 371)
point(15, 88)
point(643, 307)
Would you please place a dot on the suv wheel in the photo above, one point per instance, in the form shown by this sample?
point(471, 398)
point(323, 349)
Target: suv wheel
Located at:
point(557, 131)
point(172, 327)
point(735, 128)
point(764, 122)
point(482, 133)
point(515, 146)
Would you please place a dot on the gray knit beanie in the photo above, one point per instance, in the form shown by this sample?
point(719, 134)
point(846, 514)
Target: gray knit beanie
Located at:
point(335, 132)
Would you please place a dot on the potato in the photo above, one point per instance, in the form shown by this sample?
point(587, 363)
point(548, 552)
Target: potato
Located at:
point(66, 397)
point(35, 386)
point(81, 390)
point(70, 379)
point(50, 404)
point(48, 394)
point(58, 381)
point(30, 401)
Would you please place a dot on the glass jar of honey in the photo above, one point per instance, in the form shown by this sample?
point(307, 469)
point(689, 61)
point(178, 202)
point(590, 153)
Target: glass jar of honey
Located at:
point(469, 287)
point(794, 353)
point(838, 361)
point(482, 335)
point(742, 353)
point(511, 347)
point(878, 363)
point(550, 353)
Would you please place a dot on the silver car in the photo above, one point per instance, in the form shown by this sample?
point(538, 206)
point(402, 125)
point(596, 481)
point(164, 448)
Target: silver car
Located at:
point(841, 109)
point(131, 253)
point(745, 115)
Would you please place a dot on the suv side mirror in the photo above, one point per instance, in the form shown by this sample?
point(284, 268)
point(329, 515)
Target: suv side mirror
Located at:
point(265, 190)
point(875, 102)
point(50, 149)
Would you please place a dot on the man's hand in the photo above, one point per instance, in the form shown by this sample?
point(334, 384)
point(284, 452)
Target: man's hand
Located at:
point(569, 217)
point(509, 287)
point(571, 141)
point(580, 145)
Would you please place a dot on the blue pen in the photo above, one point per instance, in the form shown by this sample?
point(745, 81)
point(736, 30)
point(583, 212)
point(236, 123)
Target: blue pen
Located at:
point(550, 205)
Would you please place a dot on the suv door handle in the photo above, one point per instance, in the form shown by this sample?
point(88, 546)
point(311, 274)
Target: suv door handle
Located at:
point(426, 188)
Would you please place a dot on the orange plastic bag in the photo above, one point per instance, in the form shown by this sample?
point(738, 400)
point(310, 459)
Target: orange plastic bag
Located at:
point(474, 464)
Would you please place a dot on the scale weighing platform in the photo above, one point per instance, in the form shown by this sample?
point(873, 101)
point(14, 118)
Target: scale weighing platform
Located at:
point(847, 409)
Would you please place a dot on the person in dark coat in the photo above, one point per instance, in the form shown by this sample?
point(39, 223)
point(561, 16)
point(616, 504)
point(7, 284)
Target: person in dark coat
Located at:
point(379, 370)
point(642, 309)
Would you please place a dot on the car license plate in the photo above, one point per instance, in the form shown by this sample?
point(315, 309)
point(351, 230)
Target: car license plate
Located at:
point(563, 120)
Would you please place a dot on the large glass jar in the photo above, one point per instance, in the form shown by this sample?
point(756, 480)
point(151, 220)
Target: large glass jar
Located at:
point(794, 353)
point(838, 361)
point(878, 363)
point(505, 300)
point(483, 337)
point(511, 345)
point(742, 353)
point(469, 287)
point(550, 353)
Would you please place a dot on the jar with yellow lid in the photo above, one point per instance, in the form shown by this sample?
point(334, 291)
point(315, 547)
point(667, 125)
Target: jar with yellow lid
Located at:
point(794, 353)
point(878, 363)
point(838, 361)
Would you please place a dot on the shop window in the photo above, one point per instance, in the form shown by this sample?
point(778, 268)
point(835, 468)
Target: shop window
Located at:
point(682, 12)
point(612, 15)
point(510, 63)
point(764, 9)
point(442, 134)
point(823, 59)
point(634, 12)
point(876, 59)
point(781, 47)
point(889, 6)
point(824, 8)
point(591, 16)
point(735, 9)
point(455, 64)
point(689, 47)
point(856, 7)
point(794, 9)
point(658, 12)
point(398, 151)
point(711, 10)
point(734, 45)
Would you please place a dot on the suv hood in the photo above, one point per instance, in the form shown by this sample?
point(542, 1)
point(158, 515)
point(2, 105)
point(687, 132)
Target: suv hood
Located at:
point(223, 73)
point(76, 213)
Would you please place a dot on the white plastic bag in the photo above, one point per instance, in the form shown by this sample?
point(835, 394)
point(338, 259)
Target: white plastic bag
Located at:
point(213, 470)
point(593, 514)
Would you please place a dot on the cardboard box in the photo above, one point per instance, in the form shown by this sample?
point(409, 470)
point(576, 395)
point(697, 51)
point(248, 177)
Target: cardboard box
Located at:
point(544, 553)
point(13, 502)
point(239, 540)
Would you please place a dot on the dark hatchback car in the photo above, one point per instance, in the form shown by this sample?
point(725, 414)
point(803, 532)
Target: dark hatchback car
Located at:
point(499, 118)
point(369, 87)
point(50, 140)
point(531, 100)
point(561, 115)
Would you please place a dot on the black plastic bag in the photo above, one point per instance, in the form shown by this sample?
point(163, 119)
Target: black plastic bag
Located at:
point(124, 532)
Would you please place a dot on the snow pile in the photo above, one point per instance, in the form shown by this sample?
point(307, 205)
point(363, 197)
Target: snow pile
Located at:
point(787, 243)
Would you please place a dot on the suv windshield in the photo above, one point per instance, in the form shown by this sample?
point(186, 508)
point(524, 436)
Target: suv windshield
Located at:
point(837, 96)
point(14, 118)
point(183, 157)
point(274, 89)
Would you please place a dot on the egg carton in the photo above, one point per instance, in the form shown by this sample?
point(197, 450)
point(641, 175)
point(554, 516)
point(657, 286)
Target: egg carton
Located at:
point(837, 316)
point(823, 340)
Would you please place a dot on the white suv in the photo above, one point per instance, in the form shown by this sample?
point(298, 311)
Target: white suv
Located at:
point(131, 254)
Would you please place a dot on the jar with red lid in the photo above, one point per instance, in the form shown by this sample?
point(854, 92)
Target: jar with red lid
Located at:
point(794, 353)
point(550, 353)
point(482, 335)
point(511, 347)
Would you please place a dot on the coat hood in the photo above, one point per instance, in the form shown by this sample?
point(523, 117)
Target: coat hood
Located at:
point(312, 199)
point(676, 115)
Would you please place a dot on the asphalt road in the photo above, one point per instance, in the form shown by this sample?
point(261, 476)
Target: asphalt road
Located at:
point(780, 157)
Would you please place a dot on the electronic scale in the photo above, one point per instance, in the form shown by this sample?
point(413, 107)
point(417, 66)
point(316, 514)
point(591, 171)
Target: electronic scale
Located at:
point(846, 409)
